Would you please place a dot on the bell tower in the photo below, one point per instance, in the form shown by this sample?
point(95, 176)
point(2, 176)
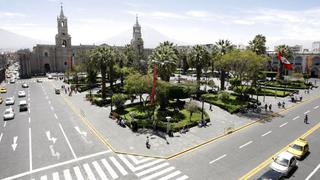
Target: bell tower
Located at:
point(137, 42)
point(63, 39)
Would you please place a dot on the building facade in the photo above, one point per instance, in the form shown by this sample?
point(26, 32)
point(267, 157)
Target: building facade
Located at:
point(62, 56)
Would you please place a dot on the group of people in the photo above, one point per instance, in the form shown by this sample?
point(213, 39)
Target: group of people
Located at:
point(281, 104)
point(266, 107)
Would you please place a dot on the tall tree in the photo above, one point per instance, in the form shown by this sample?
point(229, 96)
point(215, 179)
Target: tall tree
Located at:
point(258, 44)
point(199, 58)
point(287, 53)
point(165, 57)
point(103, 57)
point(183, 62)
point(224, 46)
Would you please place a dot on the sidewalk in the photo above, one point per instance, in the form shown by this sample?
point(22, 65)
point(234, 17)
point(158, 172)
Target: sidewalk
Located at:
point(124, 140)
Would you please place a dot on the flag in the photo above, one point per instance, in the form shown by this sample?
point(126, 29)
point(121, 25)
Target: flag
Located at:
point(284, 61)
point(153, 83)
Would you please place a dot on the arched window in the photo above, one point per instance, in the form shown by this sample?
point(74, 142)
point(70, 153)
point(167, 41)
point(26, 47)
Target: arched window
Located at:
point(62, 23)
point(46, 54)
point(64, 43)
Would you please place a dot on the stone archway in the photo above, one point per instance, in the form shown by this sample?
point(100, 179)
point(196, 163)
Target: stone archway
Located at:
point(46, 68)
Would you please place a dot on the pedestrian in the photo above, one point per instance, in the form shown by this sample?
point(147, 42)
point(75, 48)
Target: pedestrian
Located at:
point(306, 119)
point(210, 107)
point(305, 91)
point(279, 104)
point(266, 107)
point(283, 104)
point(270, 107)
point(147, 143)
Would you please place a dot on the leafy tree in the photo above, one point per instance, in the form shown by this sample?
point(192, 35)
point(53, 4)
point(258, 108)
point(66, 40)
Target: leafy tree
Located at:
point(118, 100)
point(165, 57)
point(102, 57)
point(223, 46)
point(183, 61)
point(199, 58)
point(162, 94)
point(136, 84)
point(258, 44)
point(191, 107)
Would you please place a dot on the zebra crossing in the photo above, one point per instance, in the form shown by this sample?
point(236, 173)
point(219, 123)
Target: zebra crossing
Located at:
point(117, 167)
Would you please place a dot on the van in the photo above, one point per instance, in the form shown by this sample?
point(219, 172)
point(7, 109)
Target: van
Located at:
point(23, 105)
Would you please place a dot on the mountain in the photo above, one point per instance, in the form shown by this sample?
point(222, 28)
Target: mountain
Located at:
point(10, 41)
point(151, 38)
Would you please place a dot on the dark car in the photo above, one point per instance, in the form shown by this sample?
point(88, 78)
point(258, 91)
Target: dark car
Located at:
point(57, 91)
point(271, 174)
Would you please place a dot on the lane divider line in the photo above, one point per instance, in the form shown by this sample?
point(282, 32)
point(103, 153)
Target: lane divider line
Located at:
point(5, 124)
point(30, 151)
point(29, 119)
point(1, 137)
point(218, 159)
point(306, 112)
point(269, 160)
point(297, 117)
point(266, 133)
point(283, 124)
point(314, 171)
point(64, 134)
point(316, 107)
point(246, 144)
point(55, 115)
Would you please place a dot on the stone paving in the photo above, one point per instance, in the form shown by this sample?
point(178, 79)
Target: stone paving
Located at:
point(124, 140)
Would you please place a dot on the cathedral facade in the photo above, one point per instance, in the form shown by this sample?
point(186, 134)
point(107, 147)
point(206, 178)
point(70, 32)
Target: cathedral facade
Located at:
point(61, 56)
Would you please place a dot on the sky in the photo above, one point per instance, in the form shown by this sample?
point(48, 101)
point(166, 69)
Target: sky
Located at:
point(187, 21)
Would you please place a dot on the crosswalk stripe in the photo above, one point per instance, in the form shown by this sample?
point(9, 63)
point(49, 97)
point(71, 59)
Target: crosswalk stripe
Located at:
point(183, 177)
point(136, 161)
point(171, 175)
point(152, 169)
point(78, 173)
point(43, 177)
point(149, 164)
point(158, 173)
point(88, 171)
point(55, 176)
point(67, 175)
point(130, 166)
point(99, 170)
point(117, 164)
point(109, 168)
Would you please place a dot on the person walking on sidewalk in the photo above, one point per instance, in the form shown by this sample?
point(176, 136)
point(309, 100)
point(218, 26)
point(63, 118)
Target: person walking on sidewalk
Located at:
point(266, 107)
point(270, 107)
point(306, 119)
point(210, 107)
point(147, 143)
point(283, 104)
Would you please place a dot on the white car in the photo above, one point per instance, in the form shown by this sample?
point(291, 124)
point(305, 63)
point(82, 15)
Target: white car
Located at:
point(8, 114)
point(21, 94)
point(50, 76)
point(285, 162)
point(12, 81)
point(25, 85)
point(10, 101)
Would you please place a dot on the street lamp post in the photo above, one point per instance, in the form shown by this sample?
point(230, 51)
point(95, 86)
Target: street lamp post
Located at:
point(111, 103)
point(168, 123)
point(202, 100)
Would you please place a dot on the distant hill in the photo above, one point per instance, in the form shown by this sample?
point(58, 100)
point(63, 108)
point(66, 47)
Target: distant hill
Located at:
point(10, 41)
point(151, 38)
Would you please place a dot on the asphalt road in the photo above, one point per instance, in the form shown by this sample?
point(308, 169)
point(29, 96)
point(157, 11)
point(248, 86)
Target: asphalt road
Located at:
point(237, 154)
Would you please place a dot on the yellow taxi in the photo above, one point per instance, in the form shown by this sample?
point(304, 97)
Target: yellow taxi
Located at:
point(3, 90)
point(299, 148)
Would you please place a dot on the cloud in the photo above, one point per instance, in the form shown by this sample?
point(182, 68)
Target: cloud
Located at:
point(11, 15)
point(164, 15)
point(195, 13)
point(243, 22)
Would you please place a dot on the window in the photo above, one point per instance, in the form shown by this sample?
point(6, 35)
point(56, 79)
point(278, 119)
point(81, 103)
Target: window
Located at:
point(46, 54)
point(64, 43)
point(62, 23)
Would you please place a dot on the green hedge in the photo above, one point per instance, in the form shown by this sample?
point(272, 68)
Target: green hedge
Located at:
point(232, 104)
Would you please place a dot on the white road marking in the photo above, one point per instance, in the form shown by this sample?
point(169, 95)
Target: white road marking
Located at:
point(283, 124)
point(266, 133)
point(56, 165)
point(117, 164)
point(316, 107)
point(297, 117)
point(99, 170)
point(54, 153)
point(81, 132)
point(170, 175)
point(306, 112)
point(314, 171)
point(29, 110)
point(109, 168)
point(136, 161)
point(129, 165)
point(182, 177)
point(5, 123)
point(158, 173)
point(152, 169)
point(64, 134)
point(51, 108)
point(55, 176)
point(49, 102)
point(28, 99)
point(29, 119)
point(30, 150)
point(67, 175)
point(55, 115)
point(218, 159)
point(47, 97)
point(245, 144)
point(14, 144)
point(78, 173)
point(1, 137)
point(51, 138)
point(89, 172)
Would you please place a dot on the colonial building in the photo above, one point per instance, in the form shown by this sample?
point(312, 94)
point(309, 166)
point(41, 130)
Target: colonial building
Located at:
point(62, 56)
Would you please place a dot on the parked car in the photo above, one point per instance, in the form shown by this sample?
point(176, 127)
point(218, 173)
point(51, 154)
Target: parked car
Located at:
point(50, 76)
point(8, 114)
point(271, 174)
point(24, 85)
point(10, 101)
point(285, 162)
point(23, 105)
point(299, 148)
point(39, 80)
point(12, 81)
point(21, 94)
point(3, 90)
point(57, 90)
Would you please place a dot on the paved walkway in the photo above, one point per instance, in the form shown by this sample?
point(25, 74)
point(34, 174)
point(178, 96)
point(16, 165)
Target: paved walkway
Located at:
point(124, 140)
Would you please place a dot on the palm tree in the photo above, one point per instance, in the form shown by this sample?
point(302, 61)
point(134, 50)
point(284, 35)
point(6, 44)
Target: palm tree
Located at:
point(224, 46)
point(103, 57)
point(258, 44)
point(199, 58)
point(121, 62)
point(165, 57)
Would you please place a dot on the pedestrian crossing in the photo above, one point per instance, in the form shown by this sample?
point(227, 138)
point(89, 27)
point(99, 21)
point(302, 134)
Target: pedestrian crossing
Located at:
point(117, 167)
